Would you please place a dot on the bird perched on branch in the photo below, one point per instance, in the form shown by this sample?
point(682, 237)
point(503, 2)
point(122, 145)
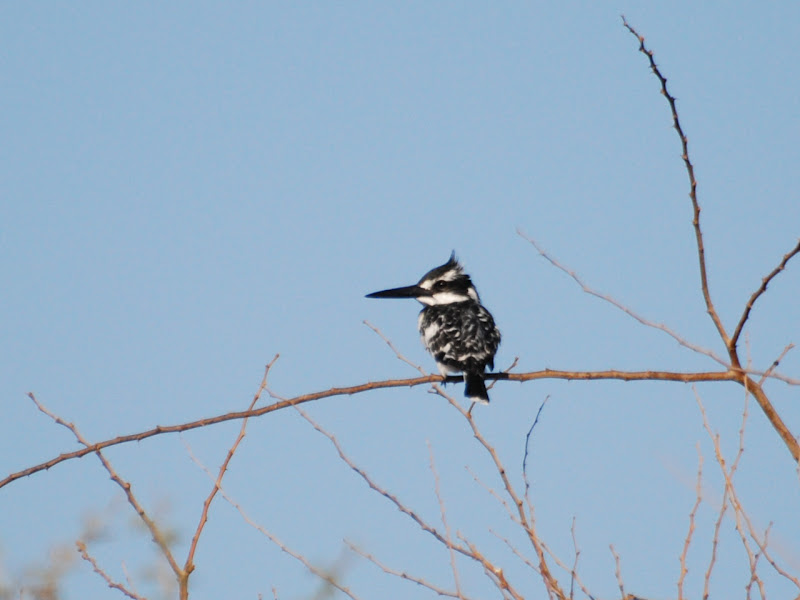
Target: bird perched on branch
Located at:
point(455, 328)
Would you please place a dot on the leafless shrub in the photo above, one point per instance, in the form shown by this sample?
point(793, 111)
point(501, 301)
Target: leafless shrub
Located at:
point(560, 578)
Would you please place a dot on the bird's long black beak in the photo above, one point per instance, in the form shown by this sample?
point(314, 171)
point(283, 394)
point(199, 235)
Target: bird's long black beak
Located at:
point(411, 291)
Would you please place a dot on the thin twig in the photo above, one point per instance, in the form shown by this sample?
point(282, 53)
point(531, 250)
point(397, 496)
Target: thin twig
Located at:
point(744, 525)
point(128, 577)
point(742, 427)
point(84, 552)
point(394, 349)
point(326, 577)
point(574, 571)
point(189, 565)
point(688, 540)
point(775, 364)
point(528, 562)
point(443, 512)
point(714, 545)
point(158, 537)
point(467, 549)
point(442, 538)
point(701, 255)
point(505, 371)
point(405, 575)
point(723, 508)
point(762, 288)
point(527, 447)
point(616, 303)
point(618, 571)
point(527, 521)
point(737, 510)
point(494, 573)
point(493, 493)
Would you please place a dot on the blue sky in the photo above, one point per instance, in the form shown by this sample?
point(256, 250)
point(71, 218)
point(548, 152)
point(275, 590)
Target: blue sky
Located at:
point(187, 190)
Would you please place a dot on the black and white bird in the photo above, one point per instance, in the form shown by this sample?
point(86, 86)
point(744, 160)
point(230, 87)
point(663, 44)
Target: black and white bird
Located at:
point(455, 328)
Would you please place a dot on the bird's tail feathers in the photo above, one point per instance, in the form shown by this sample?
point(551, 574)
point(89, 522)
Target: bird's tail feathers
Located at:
point(475, 388)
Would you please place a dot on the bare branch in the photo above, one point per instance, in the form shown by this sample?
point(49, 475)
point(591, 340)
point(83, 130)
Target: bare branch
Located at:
point(365, 387)
point(158, 537)
point(772, 415)
point(730, 343)
point(493, 493)
point(394, 348)
point(404, 575)
point(128, 577)
point(616, 303)
point(701, 254)
point(84, 552)
point(443, 512)
point(730, 490)
point(268, 534)
point(688, 540)
point(714, 545)
point(618, 571)
point(527, 448)
point(467, 549)
point(763, 288)
point(494, 573)
point(768, 409)
point(744, 525)
point(189, 565)
point(528, 562)
point(442, 538)
point(527, 521)
point(734, 372)
point(740, 451)
point(775, 364)
point(574, 570)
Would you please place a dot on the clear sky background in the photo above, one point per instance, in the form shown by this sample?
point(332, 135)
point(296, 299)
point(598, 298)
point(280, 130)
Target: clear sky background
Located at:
point(187, 189)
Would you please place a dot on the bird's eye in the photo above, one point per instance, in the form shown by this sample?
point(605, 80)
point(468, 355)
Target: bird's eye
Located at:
point(439, 285)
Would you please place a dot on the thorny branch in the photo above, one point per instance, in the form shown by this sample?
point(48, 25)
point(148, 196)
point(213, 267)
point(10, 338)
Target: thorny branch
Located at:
point(692, 515)
point(445, 524)
point(616, 303)
point(701, 254)
point(769, 373)
point(618, 571)
point(158, 537)
point(84, 552)
point(466, 548)
point(730, 342)
point(440, 537)
point(526, 520)
point(189, 566)
point(327, 577)
point(762, 288)
point(405, 575)
point(734, 371)
point(743, 523)
point(365, 387)
point(527, 448)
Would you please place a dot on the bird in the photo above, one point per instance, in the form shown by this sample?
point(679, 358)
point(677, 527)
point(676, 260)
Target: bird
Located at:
point(455, 327)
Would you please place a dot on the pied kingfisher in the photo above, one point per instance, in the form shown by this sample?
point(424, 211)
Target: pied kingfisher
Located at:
point(455, 328)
